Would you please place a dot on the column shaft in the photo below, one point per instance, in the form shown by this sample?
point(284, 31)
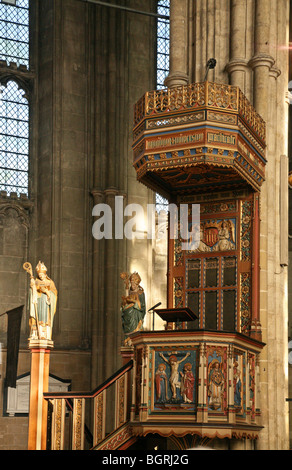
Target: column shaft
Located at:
point(39, 384)
point(178, 74)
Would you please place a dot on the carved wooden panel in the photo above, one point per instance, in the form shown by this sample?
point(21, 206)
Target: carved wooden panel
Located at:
point(214, 277)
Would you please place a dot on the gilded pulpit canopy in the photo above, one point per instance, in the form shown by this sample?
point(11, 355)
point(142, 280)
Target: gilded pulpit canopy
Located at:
point(42, 302)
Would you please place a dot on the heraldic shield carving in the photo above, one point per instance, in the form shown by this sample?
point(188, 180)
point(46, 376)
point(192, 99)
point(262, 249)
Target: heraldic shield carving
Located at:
point(217, 235)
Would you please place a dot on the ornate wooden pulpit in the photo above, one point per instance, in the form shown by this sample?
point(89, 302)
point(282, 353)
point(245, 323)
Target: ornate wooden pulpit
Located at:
point(203, 144)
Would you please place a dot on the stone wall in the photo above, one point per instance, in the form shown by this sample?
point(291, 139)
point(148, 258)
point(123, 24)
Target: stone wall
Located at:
point(70, 365)
point(90, 65)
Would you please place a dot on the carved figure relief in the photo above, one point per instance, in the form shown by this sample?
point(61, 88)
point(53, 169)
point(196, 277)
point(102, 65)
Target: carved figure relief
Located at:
point(174, 377)
point(237, 384)
point(174, 381)
point(187, 383)
point(226, 236)
point(215, 384)
point(161, 384)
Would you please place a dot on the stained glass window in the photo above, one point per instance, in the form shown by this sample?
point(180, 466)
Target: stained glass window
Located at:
point(14, 107)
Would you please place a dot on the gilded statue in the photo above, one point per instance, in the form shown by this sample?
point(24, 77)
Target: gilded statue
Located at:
point(42, 302)
point(133, 307)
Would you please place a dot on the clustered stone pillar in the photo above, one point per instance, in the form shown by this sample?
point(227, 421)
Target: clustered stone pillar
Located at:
point(240, 45)
point(262, 60)
point(178, 68)
point(106, 323)
point(269, 69)
point(97, 318)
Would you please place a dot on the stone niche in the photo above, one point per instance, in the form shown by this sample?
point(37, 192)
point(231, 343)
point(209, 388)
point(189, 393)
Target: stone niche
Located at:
point(14, 228)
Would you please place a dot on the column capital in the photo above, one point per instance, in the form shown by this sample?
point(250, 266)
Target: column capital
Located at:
point(101, 194)
point(176, 79)
point(261, 60)
point(237, 65)
point(275, 72)
point(97, 195)
point(112, 192)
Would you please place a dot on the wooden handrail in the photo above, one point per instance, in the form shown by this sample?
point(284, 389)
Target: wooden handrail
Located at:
point(95, 392)
point(75, 402)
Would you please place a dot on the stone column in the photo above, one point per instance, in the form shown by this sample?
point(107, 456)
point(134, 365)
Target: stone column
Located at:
point(261, 64)
point(39, 384)
point(269, 86)
point(240, 39)
point(97, 299)
point(112, 289)
point(61, 163)
point(110, 125)
point(108, 257)
point(178, 74)
point(262, 61)
point(210, 39)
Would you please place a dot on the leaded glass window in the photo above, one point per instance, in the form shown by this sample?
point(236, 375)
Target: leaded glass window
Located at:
point(14, 32)
point(163, 7)
point(162, 66)
point(14, 139)
point(161, 203)
point(14, 106)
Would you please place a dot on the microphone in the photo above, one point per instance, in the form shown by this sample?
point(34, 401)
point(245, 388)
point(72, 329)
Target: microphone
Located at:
point(152, 308)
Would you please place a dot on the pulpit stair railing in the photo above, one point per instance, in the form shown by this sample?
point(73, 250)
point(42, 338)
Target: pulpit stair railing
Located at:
point(69, 411)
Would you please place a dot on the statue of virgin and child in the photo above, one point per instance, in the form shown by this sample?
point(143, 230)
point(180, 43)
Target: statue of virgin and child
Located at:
point(133, 307)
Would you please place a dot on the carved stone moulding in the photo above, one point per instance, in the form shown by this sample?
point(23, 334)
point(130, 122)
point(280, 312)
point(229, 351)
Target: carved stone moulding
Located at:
point(19, 74)
point(198, 138)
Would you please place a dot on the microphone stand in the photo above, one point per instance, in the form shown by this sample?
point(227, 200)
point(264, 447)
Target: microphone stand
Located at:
point(152, 309)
